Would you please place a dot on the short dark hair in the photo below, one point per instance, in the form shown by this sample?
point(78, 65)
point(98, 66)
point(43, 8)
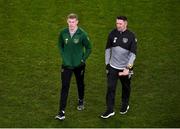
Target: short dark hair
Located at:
point(72, 16)
point(124, 18)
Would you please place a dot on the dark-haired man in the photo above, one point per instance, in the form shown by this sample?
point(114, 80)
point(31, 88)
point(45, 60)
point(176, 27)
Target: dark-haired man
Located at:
point(120, 54)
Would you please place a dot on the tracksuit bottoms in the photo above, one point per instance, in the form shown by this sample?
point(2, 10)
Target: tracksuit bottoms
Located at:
point(112, 78)
point(66, 75)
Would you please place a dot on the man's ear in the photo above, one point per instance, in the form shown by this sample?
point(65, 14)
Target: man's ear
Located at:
point(126, 23)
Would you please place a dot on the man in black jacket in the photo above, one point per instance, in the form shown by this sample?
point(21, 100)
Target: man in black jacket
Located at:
point(120, 55)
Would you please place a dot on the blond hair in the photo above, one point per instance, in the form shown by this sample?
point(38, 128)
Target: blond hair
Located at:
point(72, 16)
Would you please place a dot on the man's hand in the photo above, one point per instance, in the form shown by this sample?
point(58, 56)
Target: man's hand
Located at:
point(82, 63)
point(125, 72)
point(107, 66)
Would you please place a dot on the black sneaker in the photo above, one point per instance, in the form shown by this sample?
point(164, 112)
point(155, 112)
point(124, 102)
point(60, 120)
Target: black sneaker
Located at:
point(61, 115)
point(80, 106)
point(124, 109)
point(107, 114)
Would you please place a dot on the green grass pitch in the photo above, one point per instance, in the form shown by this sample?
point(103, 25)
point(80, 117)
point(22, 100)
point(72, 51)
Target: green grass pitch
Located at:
point(30, 63)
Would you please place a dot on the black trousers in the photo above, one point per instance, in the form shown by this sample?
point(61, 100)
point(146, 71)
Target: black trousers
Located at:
point(66, 75)
point(112, 78)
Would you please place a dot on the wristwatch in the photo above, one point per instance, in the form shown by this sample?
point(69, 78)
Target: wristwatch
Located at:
point(129, 66)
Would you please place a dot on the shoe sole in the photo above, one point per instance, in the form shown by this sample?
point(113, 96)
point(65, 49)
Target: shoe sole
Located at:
point(80, 109)
point(60, 118)
point(125, 111)
point(111, 114)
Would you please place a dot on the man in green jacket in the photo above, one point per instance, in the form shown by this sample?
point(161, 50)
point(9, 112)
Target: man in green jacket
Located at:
point(75, 48)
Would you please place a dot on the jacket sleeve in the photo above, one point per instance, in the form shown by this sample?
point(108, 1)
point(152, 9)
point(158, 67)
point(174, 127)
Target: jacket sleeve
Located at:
point(108, 50)
point(61, 44)
point(133, 49)
point(88, 47)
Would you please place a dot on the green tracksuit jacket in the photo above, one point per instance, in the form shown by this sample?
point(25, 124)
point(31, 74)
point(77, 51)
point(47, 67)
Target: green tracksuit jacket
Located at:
point(74, 50)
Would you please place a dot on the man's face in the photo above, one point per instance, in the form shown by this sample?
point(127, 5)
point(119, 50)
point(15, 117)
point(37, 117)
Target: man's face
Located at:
point(72, 23)
point(121, 25)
